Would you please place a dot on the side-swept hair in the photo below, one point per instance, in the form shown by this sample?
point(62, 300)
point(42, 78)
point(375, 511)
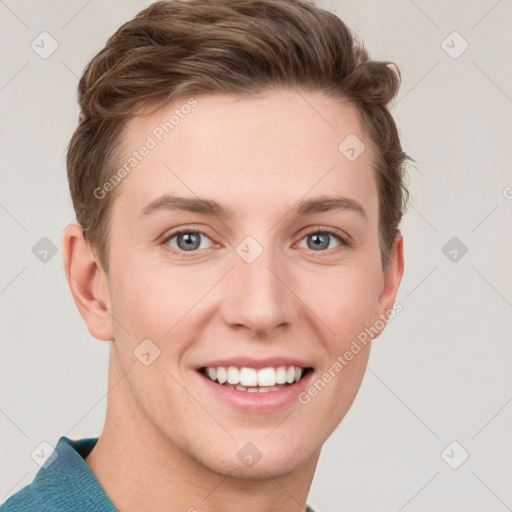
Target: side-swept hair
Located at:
point(175, 49)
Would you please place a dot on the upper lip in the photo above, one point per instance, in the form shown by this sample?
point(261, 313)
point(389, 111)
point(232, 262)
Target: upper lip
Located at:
point(249, 362)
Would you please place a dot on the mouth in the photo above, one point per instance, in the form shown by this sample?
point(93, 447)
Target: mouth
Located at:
point(255, 380)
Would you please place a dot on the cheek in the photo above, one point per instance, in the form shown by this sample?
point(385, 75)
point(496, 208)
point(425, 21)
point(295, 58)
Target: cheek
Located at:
point(150, 311)
point(344, 300)
point(159, 303)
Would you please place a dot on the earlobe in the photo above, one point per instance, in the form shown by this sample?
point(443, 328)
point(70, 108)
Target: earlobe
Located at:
point(88, 283)
point(391, 281)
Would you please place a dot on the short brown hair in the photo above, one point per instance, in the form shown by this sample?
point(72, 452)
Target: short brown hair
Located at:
point(177, 48)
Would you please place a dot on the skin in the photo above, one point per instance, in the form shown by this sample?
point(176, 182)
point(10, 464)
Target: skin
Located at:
point(166, 440)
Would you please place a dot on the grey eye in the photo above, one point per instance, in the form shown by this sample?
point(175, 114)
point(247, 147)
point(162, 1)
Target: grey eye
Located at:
point(318, 241)
point(187, 240)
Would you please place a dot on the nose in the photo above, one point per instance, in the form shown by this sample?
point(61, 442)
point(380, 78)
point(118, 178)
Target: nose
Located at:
point(258, 295)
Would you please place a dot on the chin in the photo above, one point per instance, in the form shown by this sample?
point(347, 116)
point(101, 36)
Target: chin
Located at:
point(262, 470)
point(244, 460)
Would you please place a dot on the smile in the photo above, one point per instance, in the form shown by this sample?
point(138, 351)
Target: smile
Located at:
point(254, 380)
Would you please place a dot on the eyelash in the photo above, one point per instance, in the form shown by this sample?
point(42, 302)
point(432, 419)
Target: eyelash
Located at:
point(344, 243)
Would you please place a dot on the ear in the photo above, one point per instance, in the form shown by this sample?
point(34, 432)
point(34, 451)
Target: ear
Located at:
point(88, 283)
point(391, 281)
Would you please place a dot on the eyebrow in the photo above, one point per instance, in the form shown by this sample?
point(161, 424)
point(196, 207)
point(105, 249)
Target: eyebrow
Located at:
point(210, 207)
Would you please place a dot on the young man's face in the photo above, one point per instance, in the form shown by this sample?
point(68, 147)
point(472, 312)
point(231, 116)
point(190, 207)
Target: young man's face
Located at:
point(262, 287)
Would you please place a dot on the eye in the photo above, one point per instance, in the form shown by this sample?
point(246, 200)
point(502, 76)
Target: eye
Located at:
point(320, 240)
point(186, 241)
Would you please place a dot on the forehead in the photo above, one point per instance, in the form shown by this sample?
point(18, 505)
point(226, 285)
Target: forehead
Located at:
point(279, 146)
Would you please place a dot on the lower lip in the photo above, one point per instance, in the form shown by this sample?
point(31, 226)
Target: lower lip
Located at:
point(258, 402)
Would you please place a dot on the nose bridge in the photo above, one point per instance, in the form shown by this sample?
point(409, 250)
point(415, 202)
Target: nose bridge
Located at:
point(258, 296)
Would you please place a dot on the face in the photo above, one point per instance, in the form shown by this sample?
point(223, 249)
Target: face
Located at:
point(244, 246)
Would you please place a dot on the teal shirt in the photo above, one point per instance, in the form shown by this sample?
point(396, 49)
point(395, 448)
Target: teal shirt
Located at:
point(65, 484)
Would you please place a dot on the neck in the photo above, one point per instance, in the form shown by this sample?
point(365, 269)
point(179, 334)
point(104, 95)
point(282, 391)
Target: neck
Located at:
point(137, 465)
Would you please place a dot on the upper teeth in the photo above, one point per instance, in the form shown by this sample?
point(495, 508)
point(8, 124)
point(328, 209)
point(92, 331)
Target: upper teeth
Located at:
point(251, 377)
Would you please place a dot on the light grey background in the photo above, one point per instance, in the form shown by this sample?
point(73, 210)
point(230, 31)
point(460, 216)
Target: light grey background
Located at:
point(442, 370)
